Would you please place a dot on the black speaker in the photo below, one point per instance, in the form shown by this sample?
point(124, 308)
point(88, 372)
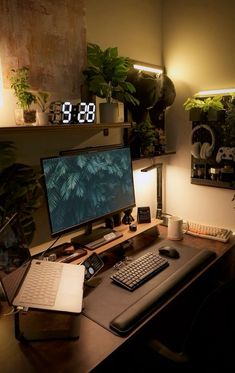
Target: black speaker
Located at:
point(109, 222)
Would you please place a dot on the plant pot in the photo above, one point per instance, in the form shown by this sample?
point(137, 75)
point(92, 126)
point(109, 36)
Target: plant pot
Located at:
point(29, 116)
point(25, 117)
point(216, 115)
point(196, 115)
point(42, 118)
point(108, 112)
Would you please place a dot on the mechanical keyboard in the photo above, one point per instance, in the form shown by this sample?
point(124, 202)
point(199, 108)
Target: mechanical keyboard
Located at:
point(140, 270)
point(207, 231)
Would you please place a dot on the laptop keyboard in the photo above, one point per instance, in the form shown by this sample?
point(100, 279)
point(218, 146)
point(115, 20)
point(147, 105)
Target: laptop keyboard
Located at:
point(41, 285)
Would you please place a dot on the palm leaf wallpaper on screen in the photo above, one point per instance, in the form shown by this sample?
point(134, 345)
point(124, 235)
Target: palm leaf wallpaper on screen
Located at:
point(85, 186)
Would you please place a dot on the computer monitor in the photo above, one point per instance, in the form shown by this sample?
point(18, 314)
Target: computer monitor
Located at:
point(87, 186)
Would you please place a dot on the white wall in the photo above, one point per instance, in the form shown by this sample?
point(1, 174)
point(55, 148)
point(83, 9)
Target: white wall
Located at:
point(199, 54)
point(134, 26)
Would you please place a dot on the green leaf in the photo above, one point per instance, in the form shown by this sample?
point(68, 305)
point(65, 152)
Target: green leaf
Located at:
point(106, 74)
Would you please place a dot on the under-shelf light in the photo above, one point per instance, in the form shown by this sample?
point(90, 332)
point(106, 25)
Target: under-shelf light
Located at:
point(155, 70)
point(225, 91)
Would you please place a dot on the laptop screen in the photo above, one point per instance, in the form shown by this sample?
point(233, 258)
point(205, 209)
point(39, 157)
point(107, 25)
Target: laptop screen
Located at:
point(13, 249)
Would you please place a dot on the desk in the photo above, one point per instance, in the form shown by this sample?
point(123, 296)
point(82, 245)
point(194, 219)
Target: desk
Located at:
point(95, 343)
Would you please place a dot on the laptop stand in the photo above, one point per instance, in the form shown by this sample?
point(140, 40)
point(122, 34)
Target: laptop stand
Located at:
point(33, 326)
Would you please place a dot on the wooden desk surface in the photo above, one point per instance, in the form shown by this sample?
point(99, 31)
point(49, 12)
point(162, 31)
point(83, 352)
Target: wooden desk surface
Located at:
point(95, 343)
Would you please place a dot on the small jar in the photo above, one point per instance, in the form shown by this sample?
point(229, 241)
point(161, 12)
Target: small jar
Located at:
point(201, 171)
point(214, 173)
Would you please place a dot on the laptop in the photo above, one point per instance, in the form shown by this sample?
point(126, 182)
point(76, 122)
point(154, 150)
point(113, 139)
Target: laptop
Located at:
point(61, 284)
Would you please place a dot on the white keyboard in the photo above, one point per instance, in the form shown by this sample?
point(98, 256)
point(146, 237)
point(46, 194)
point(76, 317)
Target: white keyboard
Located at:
point(207, 231)
point(41, 284)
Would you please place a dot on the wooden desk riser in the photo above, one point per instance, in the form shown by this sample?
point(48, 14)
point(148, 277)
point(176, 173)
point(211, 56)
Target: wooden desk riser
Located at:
point(124, 229)
point(95, 343)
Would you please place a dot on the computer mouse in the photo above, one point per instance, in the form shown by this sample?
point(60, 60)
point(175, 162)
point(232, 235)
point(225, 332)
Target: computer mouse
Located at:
point(169, 251)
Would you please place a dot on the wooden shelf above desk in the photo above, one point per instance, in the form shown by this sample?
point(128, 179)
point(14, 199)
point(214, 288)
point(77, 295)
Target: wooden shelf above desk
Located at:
point(69, 127)
point(127, 234)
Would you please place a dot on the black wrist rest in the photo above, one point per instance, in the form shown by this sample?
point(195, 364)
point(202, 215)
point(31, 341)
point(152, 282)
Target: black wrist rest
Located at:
point(133, 315)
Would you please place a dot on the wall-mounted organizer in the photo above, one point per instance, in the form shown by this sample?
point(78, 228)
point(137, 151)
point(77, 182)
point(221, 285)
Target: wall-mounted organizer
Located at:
point(213, 147)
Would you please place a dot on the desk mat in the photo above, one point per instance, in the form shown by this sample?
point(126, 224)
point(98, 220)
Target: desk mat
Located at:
point(105, 302)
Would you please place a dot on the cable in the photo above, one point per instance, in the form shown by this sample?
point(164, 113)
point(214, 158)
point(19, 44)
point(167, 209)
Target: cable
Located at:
point(13, 311)
point(53, 243)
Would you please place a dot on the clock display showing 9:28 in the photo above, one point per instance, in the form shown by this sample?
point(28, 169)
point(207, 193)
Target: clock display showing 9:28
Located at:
point(68, 113)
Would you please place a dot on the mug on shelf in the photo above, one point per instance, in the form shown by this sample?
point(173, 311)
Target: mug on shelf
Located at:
point(175, 229)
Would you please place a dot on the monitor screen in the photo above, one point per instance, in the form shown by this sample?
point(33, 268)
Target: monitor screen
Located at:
point(87, 186)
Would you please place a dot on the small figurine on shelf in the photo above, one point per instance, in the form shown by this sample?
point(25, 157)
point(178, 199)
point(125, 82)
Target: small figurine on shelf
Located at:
point(127, 218)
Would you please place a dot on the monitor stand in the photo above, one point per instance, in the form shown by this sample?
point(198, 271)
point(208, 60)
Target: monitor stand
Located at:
point(91, 235)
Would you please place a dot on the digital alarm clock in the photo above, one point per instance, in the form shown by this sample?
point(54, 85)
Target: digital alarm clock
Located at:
point(68, 113)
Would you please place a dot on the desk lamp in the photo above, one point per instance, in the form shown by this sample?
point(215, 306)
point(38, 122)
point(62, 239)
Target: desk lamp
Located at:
point(159, 214)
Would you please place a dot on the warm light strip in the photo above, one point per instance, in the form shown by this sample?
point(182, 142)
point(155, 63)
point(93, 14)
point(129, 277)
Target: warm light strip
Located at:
point(1, 85)
point(148, 68)
point(216, 92)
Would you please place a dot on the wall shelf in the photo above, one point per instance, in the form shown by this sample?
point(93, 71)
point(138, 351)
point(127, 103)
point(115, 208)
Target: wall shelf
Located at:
point(167, 152)
point(217, 184)
point(71, 127)
point(212, 147)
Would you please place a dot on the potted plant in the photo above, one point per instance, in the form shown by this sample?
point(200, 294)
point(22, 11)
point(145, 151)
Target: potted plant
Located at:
point(20, 84)
point(142, 138)
point(202, 109)
point(42, 101)
point(195, 108)
point(214, 108)
point(106, 77)
point(228, 126)
point(20, 190)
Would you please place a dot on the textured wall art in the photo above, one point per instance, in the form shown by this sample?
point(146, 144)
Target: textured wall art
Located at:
point(47, 36)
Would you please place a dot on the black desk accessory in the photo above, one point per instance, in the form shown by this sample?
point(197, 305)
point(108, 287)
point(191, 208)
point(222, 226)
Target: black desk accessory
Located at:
point(92, 265)
point(127, 218)
point(143, 215)
point(133, 227)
